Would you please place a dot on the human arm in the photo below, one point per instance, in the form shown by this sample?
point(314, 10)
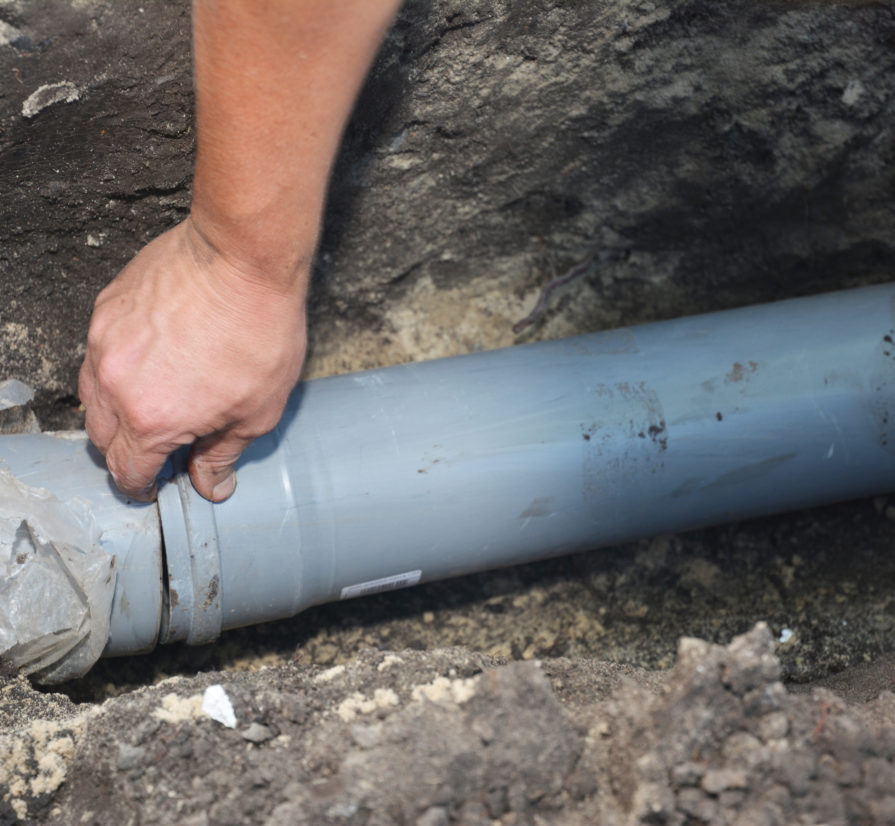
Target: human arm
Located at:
point(200, 339)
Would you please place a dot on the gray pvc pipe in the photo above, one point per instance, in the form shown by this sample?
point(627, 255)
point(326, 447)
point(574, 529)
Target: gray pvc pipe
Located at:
point(408, 474)
point(70, 468)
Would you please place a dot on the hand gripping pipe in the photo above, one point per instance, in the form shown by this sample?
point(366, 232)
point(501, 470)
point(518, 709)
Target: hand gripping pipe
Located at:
point(409, 474)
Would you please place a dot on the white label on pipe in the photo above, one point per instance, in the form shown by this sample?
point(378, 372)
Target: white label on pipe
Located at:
point(377, 586)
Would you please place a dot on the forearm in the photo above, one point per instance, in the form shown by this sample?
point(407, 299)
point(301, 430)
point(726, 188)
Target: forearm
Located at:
point(200, 339)
point(275, 83)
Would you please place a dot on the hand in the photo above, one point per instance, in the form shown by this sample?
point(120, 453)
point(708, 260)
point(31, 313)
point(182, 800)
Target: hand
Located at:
point(188, 347)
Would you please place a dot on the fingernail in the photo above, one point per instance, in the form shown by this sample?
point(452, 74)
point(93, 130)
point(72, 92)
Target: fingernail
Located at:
point(224, 490)
point(147, 494)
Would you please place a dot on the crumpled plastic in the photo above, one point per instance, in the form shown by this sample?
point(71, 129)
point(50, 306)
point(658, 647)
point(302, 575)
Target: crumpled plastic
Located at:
point(14, 393)
point(56, 584)
point(16, 415)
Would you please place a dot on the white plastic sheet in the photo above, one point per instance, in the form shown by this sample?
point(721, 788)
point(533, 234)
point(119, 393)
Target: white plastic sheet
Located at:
point(56, 584)
point(16, 415)
point(14, 393)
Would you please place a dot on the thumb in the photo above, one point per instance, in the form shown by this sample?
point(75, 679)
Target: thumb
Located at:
point(212, 461)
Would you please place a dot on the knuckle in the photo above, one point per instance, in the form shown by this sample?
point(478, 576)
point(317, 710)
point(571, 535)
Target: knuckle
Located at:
point(264, 425)
point(140, 419)
point(109, 371)
point(95, 431)
point(265, 420)
point(94, 336)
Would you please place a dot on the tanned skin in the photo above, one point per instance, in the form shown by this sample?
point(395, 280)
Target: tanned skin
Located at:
point(201, 337)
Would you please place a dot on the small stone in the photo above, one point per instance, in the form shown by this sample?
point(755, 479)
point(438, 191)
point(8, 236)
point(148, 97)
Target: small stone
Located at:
point(692, 650)
point(62, 92)
point(8, 33)
point(716, 781)
point(879, 775)
point(853, 92)
point(129, 757)
point(581, 783)
point(257, 733)
point(751, 661)
point(773, 726)
point(764, 699)
point(883, 811)
point(744, 750)
point(367, 736)
point(435, 816)
point(473, 813)
point(797, 769)
point(325, 654)
point(652, 803)
point(497, 802)
point(687, 774)
point(198, 819)
point(694, 802)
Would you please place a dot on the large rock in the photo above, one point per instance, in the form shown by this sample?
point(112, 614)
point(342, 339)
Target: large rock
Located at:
point(668, 157)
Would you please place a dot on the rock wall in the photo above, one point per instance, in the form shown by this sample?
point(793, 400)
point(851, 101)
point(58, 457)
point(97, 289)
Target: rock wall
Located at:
point(95, 159)
point(645, 159)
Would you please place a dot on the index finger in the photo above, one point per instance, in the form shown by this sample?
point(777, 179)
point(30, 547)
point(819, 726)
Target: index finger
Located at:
point(101, 425)
point(100, 421)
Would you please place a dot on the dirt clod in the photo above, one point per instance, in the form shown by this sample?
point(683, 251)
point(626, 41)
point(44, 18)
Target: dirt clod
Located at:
point(467, 739)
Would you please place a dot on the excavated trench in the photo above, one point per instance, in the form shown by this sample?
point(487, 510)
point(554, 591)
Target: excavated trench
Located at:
point(627, 161)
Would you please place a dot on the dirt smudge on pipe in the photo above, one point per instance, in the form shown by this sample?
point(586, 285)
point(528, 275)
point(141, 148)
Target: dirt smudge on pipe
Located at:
point(739, 371)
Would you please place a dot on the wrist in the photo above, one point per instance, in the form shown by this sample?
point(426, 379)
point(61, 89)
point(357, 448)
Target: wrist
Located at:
point(255, 250)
